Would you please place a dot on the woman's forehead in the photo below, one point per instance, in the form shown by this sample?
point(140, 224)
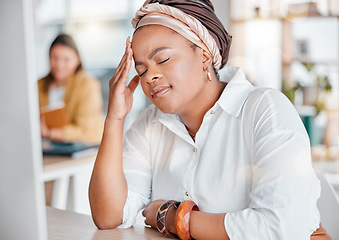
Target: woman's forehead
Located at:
point(156, 35)
point(154, 31)
point(61, 48)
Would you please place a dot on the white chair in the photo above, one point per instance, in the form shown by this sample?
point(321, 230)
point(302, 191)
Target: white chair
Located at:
point(328, 205)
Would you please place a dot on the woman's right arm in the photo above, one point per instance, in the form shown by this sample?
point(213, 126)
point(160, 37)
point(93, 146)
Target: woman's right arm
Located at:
point(108, 187)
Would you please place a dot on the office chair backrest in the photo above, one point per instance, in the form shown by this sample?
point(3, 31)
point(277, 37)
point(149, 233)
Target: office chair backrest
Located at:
point(328, 205)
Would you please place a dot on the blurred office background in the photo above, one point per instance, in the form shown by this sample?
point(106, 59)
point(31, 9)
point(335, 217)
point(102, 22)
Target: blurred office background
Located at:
point(289, 45)
point(100, 29)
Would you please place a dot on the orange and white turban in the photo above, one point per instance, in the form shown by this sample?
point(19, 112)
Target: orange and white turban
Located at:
point(182, 23)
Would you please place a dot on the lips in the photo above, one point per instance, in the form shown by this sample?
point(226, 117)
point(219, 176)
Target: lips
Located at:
point(159, 91)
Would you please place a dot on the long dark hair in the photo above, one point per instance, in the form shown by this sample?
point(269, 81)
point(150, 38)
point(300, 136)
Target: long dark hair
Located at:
point(66, 40)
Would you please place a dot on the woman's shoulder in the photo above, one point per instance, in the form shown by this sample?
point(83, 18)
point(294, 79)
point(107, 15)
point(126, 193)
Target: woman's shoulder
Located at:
point(148, 115)
point(85, 79)
point(42, 82)
point(268, 101)
point(267, 95)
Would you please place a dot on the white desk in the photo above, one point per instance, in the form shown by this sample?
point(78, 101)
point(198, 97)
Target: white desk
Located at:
point(69, 225)
point(71, 180)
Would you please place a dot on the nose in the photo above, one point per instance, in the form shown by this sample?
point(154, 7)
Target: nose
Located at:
point(152, 76)
point(152, 80)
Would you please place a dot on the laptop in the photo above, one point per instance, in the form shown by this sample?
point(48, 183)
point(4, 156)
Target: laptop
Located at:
point(68, 149)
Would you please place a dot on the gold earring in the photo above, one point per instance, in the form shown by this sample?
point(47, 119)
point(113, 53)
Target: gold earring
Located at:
point(209, 75)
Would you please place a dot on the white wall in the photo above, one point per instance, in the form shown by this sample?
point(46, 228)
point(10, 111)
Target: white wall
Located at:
point(262, 45)
point(221, 8)
point(22, 210)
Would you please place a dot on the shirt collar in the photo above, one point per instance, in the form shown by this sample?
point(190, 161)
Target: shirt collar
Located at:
point(236, 91)
point(173, 123)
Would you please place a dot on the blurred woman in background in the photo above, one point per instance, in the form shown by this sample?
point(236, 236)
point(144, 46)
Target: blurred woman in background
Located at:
point(70, 86)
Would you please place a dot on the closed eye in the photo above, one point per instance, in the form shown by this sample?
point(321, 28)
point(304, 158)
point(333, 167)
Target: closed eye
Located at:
point(158, 63)
point(164, 61)
point(142, 73)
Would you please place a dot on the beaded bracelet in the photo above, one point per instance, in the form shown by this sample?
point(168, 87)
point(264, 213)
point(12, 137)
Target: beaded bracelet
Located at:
point(161, 217)
point(182, 219)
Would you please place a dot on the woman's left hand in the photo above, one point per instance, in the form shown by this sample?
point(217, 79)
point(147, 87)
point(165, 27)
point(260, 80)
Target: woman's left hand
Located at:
point(57, 134)
point(150, 213)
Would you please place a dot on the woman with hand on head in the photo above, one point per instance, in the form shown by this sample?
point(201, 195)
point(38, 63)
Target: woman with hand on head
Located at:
point(69, 85)
point(238, 154)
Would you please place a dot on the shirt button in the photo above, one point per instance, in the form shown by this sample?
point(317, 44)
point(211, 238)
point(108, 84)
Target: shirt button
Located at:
point(194, 149)
point(186, 193)
point(212, 112)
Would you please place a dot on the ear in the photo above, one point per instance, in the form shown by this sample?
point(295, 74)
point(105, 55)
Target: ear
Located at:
point(207, 60)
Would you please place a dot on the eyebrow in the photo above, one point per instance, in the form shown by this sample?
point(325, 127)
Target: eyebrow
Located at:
point(152, 54)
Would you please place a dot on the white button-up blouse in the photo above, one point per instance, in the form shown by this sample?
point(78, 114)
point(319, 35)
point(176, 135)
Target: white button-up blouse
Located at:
point(251, 159)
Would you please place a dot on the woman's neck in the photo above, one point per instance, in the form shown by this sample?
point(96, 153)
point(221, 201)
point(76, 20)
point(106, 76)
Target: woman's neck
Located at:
point(59, 82)
point(193, 118)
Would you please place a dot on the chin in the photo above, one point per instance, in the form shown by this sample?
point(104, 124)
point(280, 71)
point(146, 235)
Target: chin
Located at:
point(166, 109)
point(59, 76)
point(168, 105)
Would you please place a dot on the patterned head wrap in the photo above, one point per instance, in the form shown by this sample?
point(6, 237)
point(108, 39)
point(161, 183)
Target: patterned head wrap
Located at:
point(193, 19)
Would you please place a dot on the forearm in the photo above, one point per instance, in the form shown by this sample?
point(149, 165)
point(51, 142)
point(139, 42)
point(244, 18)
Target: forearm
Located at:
point(202, 225)
point(108, 187)
point(207, 226)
